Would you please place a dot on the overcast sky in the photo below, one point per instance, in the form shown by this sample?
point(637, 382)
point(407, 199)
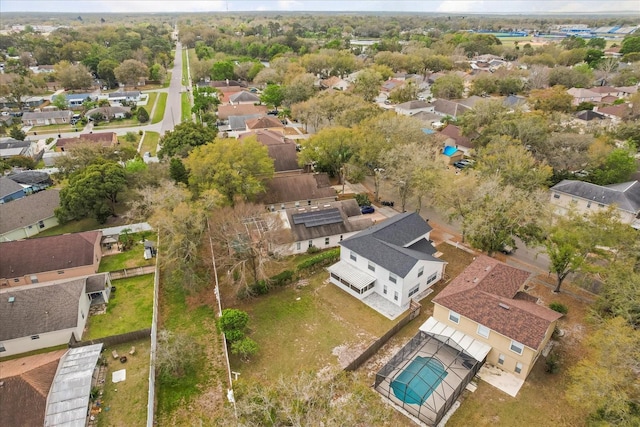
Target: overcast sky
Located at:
point(446, 6)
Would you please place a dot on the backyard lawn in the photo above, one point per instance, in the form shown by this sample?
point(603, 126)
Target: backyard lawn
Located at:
point(129, 309)
point(125, 403)
point(134, 257)
point(150, 143)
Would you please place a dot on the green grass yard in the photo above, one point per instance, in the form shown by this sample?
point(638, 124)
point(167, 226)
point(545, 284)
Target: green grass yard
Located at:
point(134, 257)
point(185, 103)
point(129, 309)
point(161, 105)
point(150, 143)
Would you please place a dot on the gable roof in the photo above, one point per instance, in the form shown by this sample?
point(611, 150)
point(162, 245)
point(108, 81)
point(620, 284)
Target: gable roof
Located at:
point(106, 139)
point(264, 123)
point(26, 211)
point(58, 114)
point(8, 186)
point(583, 93)
point(394, 244)
point(239, 123)
point(31, 177)
point(626, 196)
point(299, 187)
point(24, 257)
point(281, 149)
point(40, 308)
point(350, 220)
point(622, 110)
point(487, 293)
point(449, 108)
point(413, 105)
point(454, 132)
point(588, 115)
point(109, 111)
point(244, 96)
point(226, 111)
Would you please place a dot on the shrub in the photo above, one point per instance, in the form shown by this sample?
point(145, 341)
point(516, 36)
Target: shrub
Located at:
point(323, 258)
point(313, 250)
point(130, 137)
point(142, 115)
point(362, 199)
point(282, 278)
point(560, 308)
point(231, 319)
point(553, 363)
point(244, 348)
point(259, 288)
point(234, 335)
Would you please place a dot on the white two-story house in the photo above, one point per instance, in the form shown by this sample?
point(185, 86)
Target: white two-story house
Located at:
point(389, 265)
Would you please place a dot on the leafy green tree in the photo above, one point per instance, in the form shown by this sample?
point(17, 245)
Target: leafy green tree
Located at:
point(231, 167)
point(222, 70)
point(367, 84)
point(329, 150)
point(568, 77)
point(232, 319)
point(484, 84)
point(449, 86)
point(17, 89)
point(273, 95)
point(404, 93)
point(17, 133)
point(597, 43)
point(510, 85)
point(300, 89)
point(604, 382)
point(618, 167)
point(593, 57)
point(177, 171)
point(157, 73)
point(60, 101)
point(554, 98)
point(630, 45)
point(245, 348)
point(131, 72)
point(142, 115)
point(92, 191)
point(183, 138)
point(73, 76)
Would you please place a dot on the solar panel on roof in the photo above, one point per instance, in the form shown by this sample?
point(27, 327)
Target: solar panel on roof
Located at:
point(318, 218)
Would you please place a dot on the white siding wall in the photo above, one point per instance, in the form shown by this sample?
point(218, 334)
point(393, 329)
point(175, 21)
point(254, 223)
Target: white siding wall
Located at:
point(28, 231)
point(25, 344)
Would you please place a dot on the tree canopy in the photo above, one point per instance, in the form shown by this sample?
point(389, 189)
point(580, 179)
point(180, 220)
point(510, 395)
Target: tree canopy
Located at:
point(184, 137)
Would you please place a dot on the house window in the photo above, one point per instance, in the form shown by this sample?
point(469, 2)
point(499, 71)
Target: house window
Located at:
point(371, 267)
point(341, 237)
point(282, 206)
point(272, 208)
point(35, 337)
point(308, 202)
point(326, 240)
point(298, 246)
point(421, 271)
point(431, 278)
point(2, 348)
point(414, 290)
point(395, 295)
point(483, 331)
point(589, 204)
point(600, 205)
point(393, 278)
point(82, 313)
point(41, 224)
point(516, 347)
point(454, 317)
point(501, 359)
point(353, 256)
point(297, 204)
point(384, 289)
point(518, 367)
point(310, 243)
point(34, 279)
point(60, 271)
point(556, 196)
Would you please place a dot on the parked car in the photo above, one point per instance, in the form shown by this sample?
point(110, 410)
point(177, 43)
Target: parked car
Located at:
point(507, 250)
point(464, 163)
point(367, 209)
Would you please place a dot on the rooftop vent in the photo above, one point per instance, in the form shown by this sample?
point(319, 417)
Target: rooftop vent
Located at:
point(505, 306)
point(487, 268)
point(11, 299)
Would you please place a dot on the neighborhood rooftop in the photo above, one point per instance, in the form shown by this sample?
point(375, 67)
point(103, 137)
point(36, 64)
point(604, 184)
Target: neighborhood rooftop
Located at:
point(626, 196)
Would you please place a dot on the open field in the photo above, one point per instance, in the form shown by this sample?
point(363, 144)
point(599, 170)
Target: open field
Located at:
point(125, 403)
point(129, 309)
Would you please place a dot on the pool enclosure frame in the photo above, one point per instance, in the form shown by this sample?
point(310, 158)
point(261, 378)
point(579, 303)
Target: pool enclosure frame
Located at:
point(460, 366)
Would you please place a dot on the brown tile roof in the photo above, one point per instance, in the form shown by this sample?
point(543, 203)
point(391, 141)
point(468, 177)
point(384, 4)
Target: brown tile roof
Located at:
point(41, 308)
point(106, 139)
point(24, 257)
point(27, 211)
point(622, 110)
point(487, 292)
point(300, 187)
point(454, 132)
point(224, 111)
point(264, 123)
point(281, 149)
point(32, 385)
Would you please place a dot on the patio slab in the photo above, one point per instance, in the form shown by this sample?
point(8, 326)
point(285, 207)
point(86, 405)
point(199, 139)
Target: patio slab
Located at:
point(503, 381)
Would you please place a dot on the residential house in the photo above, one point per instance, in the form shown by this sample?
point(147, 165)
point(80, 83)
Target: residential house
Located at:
point(581, 95)
point(75, 100)
point(28, 216)
point(266, 122)
point(514, 101)
point(226, 111)
point(27, 379)
point(28, 102)
point(281, 149)
point(49, 258)
point(589, 115)
point(391, 84)
point(42, 315)
point(334, 82)
point(244, 97)
point(225, 93)
point(456, 139)
point(10, 147)
point(294, 190)
point(239, 123)
point(413, 107)
point(45, 118)
point(226, 83)
point(42, 69)
point(488, 302)
point(322, 226)
point(110, 113)
point(627, 91)
point(32, 180)
point(105, 139)
point(10, 190)
point(389, 265)
point(616, 113)
point(607, 91)
point(584, 197)
point(430, 118)
point(117, 98)
point(445, 107)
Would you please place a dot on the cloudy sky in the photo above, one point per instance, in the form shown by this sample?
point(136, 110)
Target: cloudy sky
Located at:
point(445, 6)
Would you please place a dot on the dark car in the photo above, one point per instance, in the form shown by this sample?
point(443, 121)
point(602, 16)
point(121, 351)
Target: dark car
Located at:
point(367, 209)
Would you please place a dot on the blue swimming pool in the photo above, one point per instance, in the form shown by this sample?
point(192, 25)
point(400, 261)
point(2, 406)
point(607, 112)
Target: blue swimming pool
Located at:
point(418, 380)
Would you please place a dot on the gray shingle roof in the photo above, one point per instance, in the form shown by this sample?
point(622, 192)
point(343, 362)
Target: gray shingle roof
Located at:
point(28, 210)
point(386, 244)
point(8, 186)
point(626, 196)
point(38, 309)
point(244, 97)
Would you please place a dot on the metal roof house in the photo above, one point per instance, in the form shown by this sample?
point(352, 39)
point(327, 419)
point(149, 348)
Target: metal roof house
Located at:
point(389, 264)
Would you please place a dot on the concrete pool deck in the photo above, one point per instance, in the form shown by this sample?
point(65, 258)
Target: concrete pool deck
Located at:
point(503, 381)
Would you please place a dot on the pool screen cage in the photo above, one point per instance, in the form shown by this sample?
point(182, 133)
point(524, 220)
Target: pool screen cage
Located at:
point(460, 368)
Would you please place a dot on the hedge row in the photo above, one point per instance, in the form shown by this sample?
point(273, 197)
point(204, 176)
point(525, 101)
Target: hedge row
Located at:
point(324, 258)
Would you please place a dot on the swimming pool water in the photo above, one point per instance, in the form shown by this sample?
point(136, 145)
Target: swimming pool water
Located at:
point(417, 381)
